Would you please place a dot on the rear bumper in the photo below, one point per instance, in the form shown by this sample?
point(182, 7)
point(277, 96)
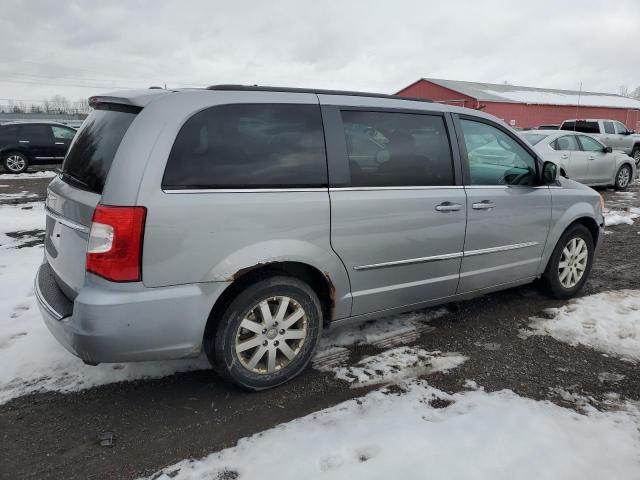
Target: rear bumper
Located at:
point(109, 322)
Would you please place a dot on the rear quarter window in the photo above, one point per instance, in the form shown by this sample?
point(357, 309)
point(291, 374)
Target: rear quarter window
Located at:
point(91, 153)
point(249, 146)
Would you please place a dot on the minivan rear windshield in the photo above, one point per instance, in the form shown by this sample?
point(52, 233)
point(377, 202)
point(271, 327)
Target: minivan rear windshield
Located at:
point(91, 153)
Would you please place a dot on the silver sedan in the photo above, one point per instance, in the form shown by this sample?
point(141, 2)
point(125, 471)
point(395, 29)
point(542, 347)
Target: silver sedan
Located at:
point(583, 158)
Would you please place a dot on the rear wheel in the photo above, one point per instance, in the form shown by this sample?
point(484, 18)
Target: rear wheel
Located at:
point(623, 177)
point(15, 162)
point(570, 263)
point(268, 334)
point(636, 155)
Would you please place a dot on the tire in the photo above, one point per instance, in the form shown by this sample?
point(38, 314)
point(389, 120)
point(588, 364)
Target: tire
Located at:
point(552, 279)
point(623, 177)
point(636, 155)
point(265, 339)
point(15, 162)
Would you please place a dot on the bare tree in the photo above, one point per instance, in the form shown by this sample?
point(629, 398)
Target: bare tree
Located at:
point(636, 93)
point(624, 90)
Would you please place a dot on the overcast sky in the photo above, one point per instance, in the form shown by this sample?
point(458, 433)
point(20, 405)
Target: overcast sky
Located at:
point(80, 48)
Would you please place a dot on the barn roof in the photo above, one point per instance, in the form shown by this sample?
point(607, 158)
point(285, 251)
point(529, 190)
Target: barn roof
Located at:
point(492, 92)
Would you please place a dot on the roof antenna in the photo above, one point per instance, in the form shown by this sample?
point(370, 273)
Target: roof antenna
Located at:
point(577, 106)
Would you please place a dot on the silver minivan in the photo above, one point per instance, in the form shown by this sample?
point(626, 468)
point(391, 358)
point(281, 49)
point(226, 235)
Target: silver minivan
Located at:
point(243, 220)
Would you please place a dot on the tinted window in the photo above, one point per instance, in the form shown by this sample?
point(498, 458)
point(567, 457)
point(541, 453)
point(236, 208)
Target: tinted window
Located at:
point(91, 153)
point(397, 149)
point(566, 143)
point(534, 138)
point(581, 126)
point(38, 134)
point(620, 128)
point(495, 158)
point(589, 144)
point(608, 127)
point(249, 146)
point(63, 132)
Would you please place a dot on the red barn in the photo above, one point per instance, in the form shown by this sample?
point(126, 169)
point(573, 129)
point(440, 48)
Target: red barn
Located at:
point(527, 106)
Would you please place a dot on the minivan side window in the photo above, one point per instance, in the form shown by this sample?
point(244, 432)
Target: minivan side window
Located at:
point(495, 158)
point(249, 146)
point(392, 149)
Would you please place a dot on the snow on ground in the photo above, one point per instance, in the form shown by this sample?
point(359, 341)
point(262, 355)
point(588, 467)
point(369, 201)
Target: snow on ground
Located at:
point(396, 364)
point(608, 321)
point(620, 217)
point(426, 433)
point(25, 217)
point(31, 359)
point(404, 328)
point(17, 196)
point(22, 176)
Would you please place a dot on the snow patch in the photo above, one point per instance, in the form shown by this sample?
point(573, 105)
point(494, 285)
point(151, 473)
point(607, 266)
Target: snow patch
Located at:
point(405, 327)
point(620, 217)
point(31, 358)
point(608, 321)
point(30, 175)
point(423, 432)
point(396, 364)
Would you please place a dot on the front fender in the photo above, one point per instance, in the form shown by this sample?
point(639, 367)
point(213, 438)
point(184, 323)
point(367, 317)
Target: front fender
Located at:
point(274, 251)
point(566, 211)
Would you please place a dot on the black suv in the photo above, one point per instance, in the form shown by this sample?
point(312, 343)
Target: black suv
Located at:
point(30, 143)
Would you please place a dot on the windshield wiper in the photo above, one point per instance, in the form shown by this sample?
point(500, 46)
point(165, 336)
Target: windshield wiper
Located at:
point(75, 179)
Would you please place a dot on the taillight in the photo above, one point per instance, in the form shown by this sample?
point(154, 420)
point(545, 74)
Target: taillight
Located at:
point(115, 243)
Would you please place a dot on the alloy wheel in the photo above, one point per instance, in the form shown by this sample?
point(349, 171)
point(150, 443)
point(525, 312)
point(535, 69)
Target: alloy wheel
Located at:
point(15, 163)
point(271, 335)
point(623, 177)
point(573, 262)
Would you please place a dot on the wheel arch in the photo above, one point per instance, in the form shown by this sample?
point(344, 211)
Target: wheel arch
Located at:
point(320, 283)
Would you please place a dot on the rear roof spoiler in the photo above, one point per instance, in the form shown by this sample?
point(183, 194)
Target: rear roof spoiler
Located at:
point(128, 98)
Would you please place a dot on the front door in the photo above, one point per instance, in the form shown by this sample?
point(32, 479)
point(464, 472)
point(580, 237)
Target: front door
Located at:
point(62, 137)
point(508, 215)
point(601, 164)
point(398, 224)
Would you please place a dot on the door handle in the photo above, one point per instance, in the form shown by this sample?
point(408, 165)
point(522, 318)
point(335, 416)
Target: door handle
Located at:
point(59, 143)
point(448, 207)
point(592, 158)
point(483, 205)
point(564, 156)
point(23, 141)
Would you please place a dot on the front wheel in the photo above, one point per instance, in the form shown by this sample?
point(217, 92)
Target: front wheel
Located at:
point(623, 177)
point(268, 333)
point(15, 162)
point(570, 263)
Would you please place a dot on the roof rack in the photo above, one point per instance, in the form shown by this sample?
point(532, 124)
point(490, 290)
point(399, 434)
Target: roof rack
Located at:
point(257, 88)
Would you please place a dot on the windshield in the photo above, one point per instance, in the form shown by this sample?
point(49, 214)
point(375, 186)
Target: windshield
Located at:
point(90, 156)
point(534, 138)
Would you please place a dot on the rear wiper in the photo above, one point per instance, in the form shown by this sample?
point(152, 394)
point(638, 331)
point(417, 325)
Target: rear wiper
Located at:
point(74, 178)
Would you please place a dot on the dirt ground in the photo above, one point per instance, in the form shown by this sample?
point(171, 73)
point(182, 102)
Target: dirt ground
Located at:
point(159, 422)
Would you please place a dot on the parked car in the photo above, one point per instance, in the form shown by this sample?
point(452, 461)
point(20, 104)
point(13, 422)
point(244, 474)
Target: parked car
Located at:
point(583, 158)
point(243, 220)
point(549, 126)
point(33, 143)
point(612, 133)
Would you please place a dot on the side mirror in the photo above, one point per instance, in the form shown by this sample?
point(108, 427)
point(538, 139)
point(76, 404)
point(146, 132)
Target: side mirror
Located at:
point(628, 132)
point(607, 149)
point(549, 173)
